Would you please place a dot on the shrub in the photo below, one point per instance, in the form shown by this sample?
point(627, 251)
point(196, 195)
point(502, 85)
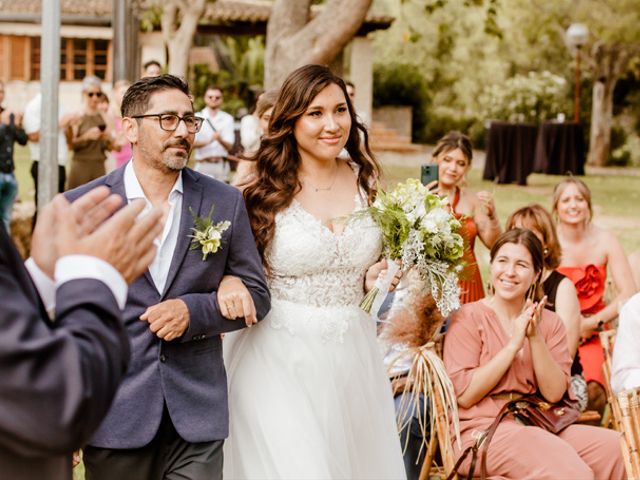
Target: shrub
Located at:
point(534, 97)
point(403, 84)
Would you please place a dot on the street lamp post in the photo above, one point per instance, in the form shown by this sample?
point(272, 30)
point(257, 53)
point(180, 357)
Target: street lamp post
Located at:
point(577, 35)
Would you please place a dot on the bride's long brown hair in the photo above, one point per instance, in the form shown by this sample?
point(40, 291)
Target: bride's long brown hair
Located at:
point(276, 179)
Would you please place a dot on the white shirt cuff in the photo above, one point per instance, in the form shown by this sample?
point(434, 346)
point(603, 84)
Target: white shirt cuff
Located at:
point(46, 286)
point(74, 267)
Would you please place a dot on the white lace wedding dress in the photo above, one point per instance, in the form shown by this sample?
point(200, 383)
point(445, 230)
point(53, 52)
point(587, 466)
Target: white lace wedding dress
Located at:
point(308, 393)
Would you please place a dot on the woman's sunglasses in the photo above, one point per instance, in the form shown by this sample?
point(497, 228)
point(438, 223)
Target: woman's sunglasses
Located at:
point(94, 94)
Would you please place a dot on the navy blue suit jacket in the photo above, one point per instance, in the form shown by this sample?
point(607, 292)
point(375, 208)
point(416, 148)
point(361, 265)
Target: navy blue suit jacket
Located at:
point(57, 380)
point(187, 373)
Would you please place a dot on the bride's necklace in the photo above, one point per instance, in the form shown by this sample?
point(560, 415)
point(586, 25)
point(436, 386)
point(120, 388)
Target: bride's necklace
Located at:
point(323, 189)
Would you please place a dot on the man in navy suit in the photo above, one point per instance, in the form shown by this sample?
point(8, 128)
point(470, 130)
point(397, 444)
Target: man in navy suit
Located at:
point(58, 377)
point(170, 416)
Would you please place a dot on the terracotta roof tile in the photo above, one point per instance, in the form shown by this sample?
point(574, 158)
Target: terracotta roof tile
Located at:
point(222, 11)
point(98, 8)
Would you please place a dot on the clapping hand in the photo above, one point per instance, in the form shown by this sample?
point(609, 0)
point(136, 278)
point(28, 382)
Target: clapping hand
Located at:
point(532, 329)
point(80, 220)
point(122, 240)
point(235, 301)
point(521, 325)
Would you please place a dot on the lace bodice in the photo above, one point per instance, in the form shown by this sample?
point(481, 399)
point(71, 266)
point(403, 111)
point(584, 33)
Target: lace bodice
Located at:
point(312, 265)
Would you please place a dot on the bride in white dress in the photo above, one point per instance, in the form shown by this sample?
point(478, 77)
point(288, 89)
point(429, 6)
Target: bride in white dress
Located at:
point(308, 394)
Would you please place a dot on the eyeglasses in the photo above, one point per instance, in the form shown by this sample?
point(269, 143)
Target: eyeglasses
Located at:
point(94, 94)
point(169, 122)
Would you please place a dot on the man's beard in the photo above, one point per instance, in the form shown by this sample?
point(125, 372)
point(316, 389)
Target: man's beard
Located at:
point(175, 162)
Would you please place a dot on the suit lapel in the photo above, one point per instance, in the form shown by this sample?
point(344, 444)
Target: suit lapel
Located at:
point(115, 181)
point(192, 197)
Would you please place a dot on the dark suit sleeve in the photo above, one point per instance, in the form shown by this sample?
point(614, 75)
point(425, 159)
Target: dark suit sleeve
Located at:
point(56, 383)
point(243, 262)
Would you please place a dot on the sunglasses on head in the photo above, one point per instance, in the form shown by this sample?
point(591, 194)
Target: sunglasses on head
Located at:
point(94, 94)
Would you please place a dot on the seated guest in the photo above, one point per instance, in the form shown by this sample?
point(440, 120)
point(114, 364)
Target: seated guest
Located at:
point(559, 290)
point(506, 346)
point(587, 252)
point(625, 368)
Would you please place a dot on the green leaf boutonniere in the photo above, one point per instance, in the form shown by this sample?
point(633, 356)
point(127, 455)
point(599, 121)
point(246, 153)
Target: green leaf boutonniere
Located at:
point(206, 235)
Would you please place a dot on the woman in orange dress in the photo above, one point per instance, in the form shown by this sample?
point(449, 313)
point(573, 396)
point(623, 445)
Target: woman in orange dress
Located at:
point(506, 346)
point(476, 211)
point(587, 250)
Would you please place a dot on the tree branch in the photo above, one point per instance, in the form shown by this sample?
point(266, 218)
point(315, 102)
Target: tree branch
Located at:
point(331, 29)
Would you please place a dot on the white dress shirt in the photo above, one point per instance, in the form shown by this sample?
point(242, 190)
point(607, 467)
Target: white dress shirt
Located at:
point(625, 368)
point(74, 267)
point(222, 122)
point(166, 244)
point(31, 124)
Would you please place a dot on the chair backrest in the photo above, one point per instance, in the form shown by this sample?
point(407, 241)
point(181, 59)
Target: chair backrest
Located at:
point(607, 340)
point(629, 404)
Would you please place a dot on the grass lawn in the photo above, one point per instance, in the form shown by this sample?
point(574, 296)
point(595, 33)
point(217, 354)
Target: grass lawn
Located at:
point(22, 160)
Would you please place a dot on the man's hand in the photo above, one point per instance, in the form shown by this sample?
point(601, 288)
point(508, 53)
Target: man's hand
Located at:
point(235, 301)
point(90, 210)
point(123, 241)
point(168, 319)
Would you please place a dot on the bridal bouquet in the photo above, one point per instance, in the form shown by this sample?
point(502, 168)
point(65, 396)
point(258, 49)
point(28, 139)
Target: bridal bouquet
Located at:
point(418, 230)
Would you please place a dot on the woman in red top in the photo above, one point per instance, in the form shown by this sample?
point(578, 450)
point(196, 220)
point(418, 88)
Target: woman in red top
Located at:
point(587, 250)
point(476, 211)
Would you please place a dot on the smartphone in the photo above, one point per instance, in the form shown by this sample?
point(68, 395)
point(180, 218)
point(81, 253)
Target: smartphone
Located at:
point(428, 173)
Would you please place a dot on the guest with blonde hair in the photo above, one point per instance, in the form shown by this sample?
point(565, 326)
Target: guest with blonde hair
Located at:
point(587, 252)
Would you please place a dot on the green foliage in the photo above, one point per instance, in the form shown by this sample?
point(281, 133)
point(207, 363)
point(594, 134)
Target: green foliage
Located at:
point(232, 89)
point(150, 16)
point(242, 68)
point(443, 120)
point(402, 84)
point(534, 97)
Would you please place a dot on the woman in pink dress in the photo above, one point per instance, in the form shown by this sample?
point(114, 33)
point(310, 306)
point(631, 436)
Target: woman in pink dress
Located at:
point(476, 211)
point(506, 346)
point(587, 250)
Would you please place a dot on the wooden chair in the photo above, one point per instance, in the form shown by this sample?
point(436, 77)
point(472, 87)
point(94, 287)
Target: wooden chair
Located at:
point(629, 405)
point(613, 415)
point(439, 455)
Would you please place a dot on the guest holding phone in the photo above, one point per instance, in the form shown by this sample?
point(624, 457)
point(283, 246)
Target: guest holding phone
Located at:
point(504, 347)
point(91, 139)
point(476, 211)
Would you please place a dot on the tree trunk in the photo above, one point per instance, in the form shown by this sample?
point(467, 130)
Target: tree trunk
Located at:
point(293, 40)
point(601, 121)
point(179, 23)
point(610, 61)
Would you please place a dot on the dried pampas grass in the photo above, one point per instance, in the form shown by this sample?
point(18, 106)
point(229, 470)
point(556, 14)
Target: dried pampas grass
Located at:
point(414, 318)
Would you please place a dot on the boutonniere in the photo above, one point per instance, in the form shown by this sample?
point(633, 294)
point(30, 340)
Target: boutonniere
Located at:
point(206, 234)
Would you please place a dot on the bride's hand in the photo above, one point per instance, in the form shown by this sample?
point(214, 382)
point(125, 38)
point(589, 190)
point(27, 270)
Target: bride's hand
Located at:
point(378, 270)
point(234, 300)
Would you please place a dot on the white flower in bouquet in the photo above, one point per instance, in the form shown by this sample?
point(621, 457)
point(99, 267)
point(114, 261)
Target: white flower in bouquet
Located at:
point(419, 230)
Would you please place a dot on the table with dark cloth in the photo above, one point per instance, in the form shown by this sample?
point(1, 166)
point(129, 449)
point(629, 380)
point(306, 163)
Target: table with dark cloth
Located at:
point(510, 152)
point(560, 149)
